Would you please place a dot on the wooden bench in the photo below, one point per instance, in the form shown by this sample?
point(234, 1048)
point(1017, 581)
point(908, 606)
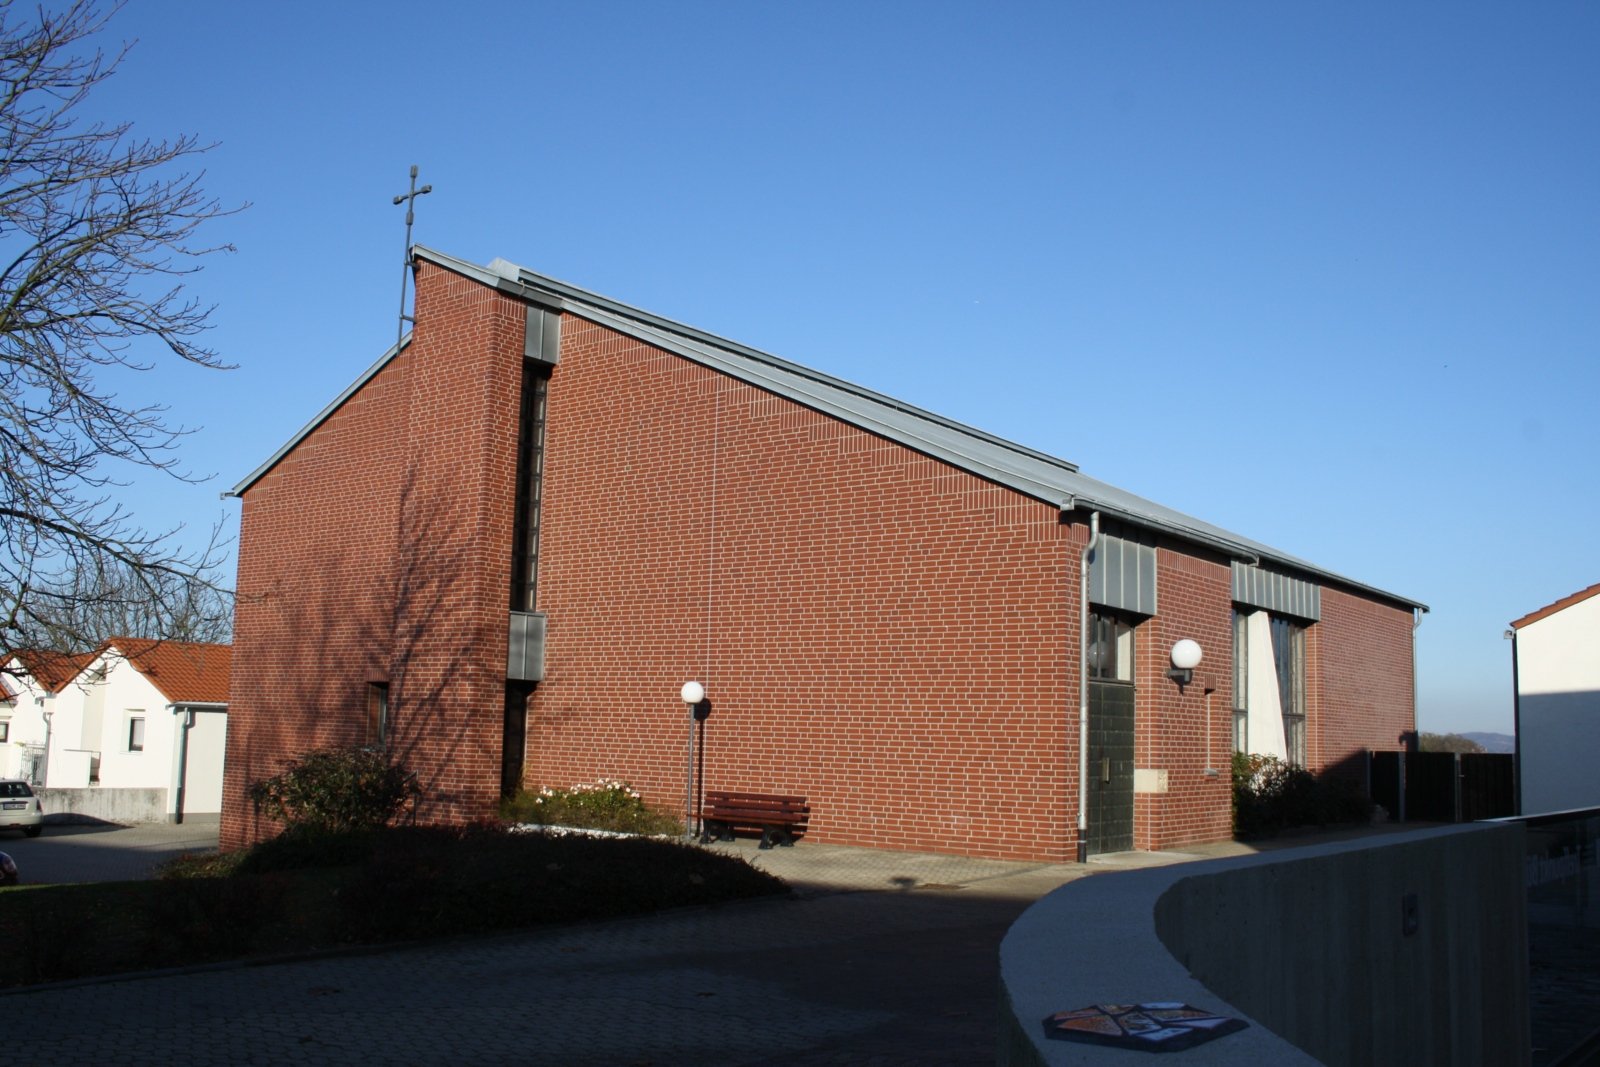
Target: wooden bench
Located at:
point(778, 817)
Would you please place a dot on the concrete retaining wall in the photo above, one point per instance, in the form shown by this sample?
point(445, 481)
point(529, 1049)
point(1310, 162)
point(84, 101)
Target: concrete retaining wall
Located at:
point(1310, 946)
point(104, 805)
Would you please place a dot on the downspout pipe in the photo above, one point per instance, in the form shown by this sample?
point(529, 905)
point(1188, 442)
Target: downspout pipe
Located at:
point(1516, 727)
point(184, 726)
point(1083, 686)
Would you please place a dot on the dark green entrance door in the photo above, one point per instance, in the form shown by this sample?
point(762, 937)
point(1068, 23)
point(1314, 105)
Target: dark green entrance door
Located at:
point(1110, 814)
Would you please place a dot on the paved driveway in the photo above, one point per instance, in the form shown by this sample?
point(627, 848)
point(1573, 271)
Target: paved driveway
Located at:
point(77, 852)
point(880, 960)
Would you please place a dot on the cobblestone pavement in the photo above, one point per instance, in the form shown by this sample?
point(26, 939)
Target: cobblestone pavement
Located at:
point(880, 959)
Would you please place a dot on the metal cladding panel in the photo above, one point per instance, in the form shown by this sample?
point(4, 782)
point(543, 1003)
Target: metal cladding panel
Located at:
point(542, 341)
point(525, 652)
point(1122, 573)
point(1281, 593)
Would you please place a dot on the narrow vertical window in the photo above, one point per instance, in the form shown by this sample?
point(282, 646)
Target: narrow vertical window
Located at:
point(530, 478)
point(378, 713)
point(136, 733)
point(1241, 683)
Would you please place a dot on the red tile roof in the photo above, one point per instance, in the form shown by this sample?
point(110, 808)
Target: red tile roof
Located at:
point(1550, 609)
point(53, 670)
point(186, 672)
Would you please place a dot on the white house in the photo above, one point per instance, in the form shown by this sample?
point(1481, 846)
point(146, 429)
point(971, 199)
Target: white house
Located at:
point(1556, 668)
point(31, 688)
point(135, 715)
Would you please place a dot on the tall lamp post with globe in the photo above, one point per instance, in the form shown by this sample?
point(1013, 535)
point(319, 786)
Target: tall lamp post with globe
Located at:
point(693, 694)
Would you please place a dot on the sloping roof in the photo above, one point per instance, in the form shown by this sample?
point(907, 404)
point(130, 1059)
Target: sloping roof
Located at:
point(185, 672)
point(1561, 605)
point(1054, 481)
point(53, 671)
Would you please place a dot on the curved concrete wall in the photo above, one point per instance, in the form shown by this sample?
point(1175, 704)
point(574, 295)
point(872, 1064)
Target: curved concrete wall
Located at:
point(1308, 945)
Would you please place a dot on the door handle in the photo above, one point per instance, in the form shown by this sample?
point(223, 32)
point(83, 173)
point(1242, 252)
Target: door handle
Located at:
point(1105, 769)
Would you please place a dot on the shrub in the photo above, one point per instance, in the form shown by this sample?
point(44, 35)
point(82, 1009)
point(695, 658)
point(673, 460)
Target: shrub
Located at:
point(607, 804)
point(200, 865)
point(336, 789)
point(1271, 795)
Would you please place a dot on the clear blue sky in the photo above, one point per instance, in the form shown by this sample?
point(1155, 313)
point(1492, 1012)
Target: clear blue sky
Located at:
point(1325, 275)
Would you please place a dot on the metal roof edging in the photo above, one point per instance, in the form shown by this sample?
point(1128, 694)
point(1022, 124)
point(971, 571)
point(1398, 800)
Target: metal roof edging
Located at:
point(533, 286)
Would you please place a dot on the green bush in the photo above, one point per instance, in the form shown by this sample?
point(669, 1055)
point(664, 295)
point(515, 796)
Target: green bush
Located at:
point(336, 789)
point(1271, 795)
point(605, 805)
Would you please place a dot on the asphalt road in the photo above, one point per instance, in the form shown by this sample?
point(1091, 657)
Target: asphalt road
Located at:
point(104, 852)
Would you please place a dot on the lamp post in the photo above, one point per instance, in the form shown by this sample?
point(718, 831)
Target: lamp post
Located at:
point(693, 694)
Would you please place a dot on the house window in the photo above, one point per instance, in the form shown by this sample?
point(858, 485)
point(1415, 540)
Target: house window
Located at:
point(1289, 654)
point(1110, 655)
point(530, 483)
point(1289, 666)
point(136, 732)
point(378, 713)
point(5, 730)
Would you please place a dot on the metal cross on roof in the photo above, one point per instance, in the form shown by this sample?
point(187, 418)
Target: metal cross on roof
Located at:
point(409, 200)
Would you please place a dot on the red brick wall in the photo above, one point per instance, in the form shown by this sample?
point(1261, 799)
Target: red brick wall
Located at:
point(893, 638)
point(1361, 666)
point(1182, 731)
point(374, 552)
point(875, 630)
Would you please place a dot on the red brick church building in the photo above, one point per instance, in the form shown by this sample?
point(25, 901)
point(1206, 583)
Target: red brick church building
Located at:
point(503, 550)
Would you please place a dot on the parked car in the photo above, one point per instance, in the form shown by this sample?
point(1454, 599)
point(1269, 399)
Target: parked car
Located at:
point(19, 808)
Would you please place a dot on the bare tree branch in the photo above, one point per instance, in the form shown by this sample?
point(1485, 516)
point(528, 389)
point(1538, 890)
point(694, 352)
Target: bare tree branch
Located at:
point(97, 238)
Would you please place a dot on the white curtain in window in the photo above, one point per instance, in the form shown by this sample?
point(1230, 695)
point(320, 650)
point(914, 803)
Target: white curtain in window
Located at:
point(1265, 729)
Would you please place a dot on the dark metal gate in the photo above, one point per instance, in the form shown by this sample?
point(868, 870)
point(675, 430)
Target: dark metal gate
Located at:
point(1442, 786)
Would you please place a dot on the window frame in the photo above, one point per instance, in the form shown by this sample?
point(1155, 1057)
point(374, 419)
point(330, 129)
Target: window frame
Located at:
point(136, 731)
point(533, 415)
point(1113, 631)
point(1241, 681)
point(1288, 633)
point(1291, 670)
point(378, 714)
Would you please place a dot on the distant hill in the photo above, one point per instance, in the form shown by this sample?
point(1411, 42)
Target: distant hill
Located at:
point(1494, 742)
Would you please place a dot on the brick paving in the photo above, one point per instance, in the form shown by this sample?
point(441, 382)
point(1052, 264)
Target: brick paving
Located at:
point(879, 960)
point(883, 959)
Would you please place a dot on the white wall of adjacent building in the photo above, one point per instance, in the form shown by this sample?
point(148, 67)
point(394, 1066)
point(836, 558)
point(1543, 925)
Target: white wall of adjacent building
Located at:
point(1558, 691)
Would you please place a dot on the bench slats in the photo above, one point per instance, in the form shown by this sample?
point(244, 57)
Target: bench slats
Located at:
point(777, 815)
